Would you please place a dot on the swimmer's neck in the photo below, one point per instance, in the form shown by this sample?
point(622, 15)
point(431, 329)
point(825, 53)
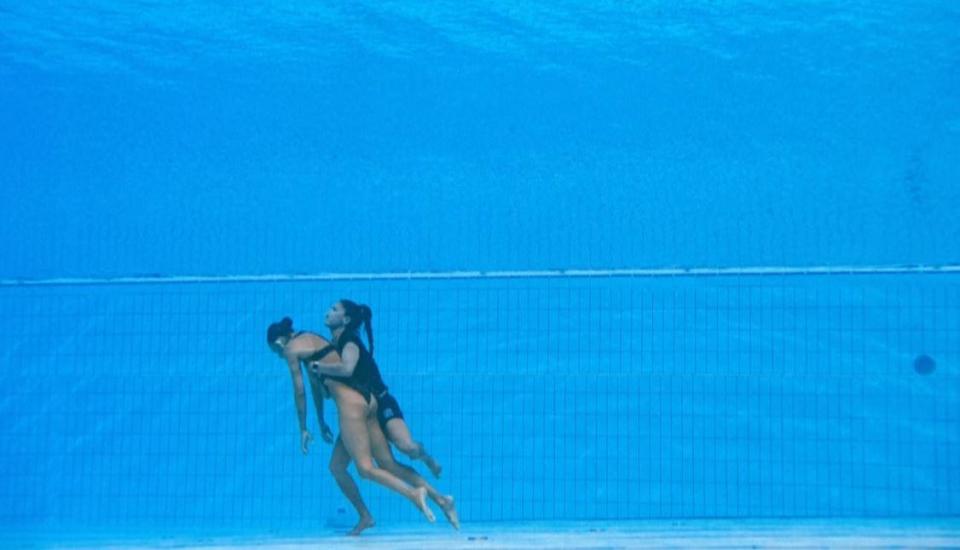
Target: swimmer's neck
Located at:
point(336, 333)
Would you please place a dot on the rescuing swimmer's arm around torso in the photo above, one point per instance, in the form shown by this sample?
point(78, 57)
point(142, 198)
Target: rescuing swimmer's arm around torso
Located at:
point(342, 369)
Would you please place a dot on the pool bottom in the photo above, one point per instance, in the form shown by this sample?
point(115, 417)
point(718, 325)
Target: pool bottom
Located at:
point(720, 533)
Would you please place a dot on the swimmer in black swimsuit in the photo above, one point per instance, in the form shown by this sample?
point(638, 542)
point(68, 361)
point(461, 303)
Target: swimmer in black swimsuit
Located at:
point(389, 413)
point(360, 433)
point(344, 319)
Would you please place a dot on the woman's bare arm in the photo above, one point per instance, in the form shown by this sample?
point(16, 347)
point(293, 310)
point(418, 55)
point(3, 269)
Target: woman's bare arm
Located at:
point(319, 393)
point(299, 396)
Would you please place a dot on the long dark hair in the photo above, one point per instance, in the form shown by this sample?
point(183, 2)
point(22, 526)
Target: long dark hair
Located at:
point(279, 329)
point(359, 314)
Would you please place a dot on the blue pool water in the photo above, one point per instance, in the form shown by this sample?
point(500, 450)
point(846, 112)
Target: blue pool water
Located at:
point(264, 148)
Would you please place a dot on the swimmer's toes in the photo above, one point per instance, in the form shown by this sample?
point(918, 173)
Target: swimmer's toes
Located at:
point(421, 502)
point(450, 510)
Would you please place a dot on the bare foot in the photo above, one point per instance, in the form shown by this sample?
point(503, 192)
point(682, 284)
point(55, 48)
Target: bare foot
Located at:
point(450, 511)
point(435, 468)
point(364, 523)
point(420, 501)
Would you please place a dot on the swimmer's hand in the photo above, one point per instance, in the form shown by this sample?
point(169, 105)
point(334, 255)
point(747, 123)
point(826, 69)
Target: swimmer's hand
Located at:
point(305, 439)
point(326, 433)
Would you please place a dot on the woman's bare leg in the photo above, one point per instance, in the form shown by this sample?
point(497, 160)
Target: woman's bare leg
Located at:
point(399, 434)
point(356, 423)
point(338, 467)
point(389, 462)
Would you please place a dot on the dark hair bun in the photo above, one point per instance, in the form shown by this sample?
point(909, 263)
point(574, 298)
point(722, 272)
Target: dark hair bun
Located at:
point(283, 328)
point(366, 312)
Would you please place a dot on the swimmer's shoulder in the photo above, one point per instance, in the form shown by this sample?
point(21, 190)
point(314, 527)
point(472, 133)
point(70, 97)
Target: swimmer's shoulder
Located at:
point(306, 343)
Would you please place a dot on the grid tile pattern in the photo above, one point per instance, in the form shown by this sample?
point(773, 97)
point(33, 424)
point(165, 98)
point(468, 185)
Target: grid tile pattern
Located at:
point(159, 406)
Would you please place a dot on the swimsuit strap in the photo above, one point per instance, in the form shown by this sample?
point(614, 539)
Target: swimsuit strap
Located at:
point(321, 353)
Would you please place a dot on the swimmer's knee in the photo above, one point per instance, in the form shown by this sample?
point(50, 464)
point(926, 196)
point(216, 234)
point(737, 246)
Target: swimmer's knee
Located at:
point(387, 464)
point(410, 448)
point(365, 470)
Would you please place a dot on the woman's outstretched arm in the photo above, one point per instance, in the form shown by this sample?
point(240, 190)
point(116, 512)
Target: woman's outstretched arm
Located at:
point(299, 399)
